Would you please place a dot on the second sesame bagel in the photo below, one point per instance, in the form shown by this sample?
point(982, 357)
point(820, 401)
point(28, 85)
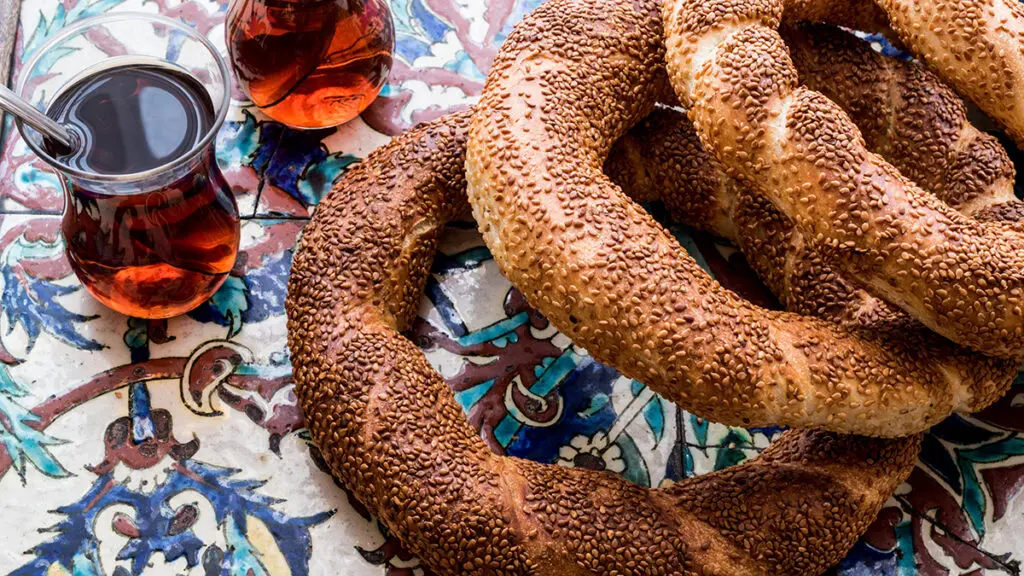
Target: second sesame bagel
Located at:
point(560, 93)
point(961, 278)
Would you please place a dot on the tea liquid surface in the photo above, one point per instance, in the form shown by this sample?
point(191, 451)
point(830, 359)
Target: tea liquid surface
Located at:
point(133, 118)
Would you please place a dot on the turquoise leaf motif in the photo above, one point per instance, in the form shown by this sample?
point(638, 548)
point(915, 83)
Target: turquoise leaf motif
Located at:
point(654, 415)
point(245, 558)
point(137, 335)
point(636, 388)
point(229, 302)
point(700, 429)
point(731, 452)
point(318, 178)
point(61, 18)
point(636, 467)
point(597, 402)
point(23, 443)
point(974, 501)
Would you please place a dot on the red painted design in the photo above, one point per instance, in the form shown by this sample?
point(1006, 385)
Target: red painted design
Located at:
point(1004, 484)
point(273, 200)
point(1007, 413)
point(514, 360)
point(281, 421)
point(277, 237)
point(102, 39)
point(385, 114)
point(120, 449)
point(934, 513)
point(194, 14)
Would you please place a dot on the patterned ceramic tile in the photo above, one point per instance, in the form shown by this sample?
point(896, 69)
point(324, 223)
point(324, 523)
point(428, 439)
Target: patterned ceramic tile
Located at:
point(131, 447)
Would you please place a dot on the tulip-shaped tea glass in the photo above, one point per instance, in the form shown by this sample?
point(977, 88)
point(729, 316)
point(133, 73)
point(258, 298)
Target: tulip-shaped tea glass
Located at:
point(150, 225)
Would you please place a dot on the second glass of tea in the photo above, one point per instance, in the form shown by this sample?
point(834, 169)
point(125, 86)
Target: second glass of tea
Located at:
point(310, 63)
point(150, 225)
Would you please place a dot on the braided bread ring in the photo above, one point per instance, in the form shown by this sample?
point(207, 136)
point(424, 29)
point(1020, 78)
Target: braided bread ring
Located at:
point(729, 65)
point(614, 281)
point(929, 137)
point(661, 158)
point(391, 430)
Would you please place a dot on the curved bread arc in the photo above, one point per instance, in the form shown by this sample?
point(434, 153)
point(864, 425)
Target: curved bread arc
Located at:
point(390, 429)
point(606, 274)
point(961, 278)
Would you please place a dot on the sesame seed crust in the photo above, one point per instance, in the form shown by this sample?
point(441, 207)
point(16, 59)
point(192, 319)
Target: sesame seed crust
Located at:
point(662, 158)
point(977, 46)
point(561, 91)
point(909, 116)
point(961, 278)
point(391, 431)
point(930, 138)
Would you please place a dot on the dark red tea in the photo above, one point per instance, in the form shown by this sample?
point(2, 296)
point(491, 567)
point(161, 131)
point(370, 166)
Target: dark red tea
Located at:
point(158, 252)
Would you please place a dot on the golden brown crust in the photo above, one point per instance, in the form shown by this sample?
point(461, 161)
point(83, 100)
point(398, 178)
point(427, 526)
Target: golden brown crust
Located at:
point(662, 158)
point(975, 45)
point(863, 15)
point(612, 279)
point(957, 276)
point(390, 428)
point(937, 138)
point(909, 116)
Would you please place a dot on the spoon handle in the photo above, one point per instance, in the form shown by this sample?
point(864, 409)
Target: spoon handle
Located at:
point(51, 130)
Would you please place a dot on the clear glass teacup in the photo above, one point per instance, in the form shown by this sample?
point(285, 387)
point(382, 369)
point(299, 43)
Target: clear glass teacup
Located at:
point(150, 226)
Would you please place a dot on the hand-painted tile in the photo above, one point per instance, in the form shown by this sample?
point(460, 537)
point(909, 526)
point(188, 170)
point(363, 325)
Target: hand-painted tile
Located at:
point(165, 446)
point(176, 447)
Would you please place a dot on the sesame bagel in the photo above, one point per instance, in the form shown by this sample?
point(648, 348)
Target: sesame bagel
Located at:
point(730, 67)
point(618, 284)
point(392, 432)
point(662, 159)
point(927, 136)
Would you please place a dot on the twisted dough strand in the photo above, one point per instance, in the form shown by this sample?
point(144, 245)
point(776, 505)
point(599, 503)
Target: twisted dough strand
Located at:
point(910, 117)
point(963, 279)
point(390, 429)
point(975, 45)
point(662, 158)
point(929, 138)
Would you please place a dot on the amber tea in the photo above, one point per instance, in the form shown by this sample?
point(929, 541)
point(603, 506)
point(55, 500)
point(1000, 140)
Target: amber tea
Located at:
point(160, 251)
point(311, 63)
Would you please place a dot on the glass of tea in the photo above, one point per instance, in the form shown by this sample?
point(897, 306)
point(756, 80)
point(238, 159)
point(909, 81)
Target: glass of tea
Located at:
point(311, 63)
point(150, 225)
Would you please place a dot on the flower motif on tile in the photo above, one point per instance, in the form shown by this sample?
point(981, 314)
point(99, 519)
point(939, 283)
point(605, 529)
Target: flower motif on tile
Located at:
point(263, 393)
point(219, 524)
point(593, 453)
point(968, 474)
point(153, 503)
point(509, 372)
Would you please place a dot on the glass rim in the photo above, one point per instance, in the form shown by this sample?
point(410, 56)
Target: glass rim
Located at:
point(194, 152)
